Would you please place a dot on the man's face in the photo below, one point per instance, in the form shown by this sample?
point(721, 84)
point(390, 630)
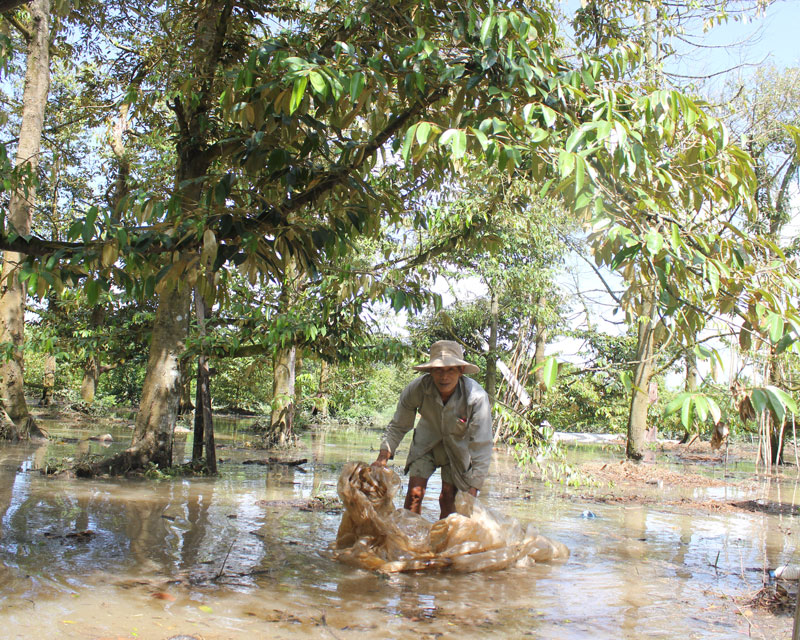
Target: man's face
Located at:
point(446, 378)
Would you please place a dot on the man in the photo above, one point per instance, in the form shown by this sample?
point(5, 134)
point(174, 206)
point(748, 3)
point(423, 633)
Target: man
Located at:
point(454, 431)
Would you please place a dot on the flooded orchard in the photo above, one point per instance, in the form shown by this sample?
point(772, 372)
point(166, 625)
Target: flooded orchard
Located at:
point(244, 555)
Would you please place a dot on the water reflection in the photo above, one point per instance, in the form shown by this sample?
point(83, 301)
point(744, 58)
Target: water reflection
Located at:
point(236, 556)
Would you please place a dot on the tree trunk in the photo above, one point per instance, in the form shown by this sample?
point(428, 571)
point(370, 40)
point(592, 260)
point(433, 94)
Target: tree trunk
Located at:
point(158, 411)
point(282, 418)
point(540, 343)
point(691, 372)
point(91, 374)
point(203, 417)
point(18, 421)
point(690, 384)
point(49, 380)
point(185, 403)
point(491, 357)
point(640, 400)
point(298, 385)
point(91, 367)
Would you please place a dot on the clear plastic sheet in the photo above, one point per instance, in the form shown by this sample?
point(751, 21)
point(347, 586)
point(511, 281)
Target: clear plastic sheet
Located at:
point(374, 535)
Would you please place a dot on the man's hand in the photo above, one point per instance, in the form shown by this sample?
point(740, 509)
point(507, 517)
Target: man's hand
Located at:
point(383, 458)
point(473, 492)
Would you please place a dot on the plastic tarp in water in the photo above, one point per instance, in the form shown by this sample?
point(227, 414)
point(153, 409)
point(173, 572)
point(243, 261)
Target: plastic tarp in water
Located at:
point(374, 535)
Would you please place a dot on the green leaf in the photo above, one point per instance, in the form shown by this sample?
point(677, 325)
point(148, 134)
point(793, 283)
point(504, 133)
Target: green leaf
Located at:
point(298, 91)
point(407, 142)
point(713, 278)
point(423, 129)
point(701, 407)
point(675, 404)
point(92, 290)
point(538, 135)
point(759, 400)
point(686, 413)
point(623, 255)
point(318, 83)
point(357, 83)
point(775, 326)
point(447, 136)
point(654, 242)
point(566, 163)
point(580, 171)
point(625, 378)
point(784, 343)
point(482, 139)
point(549, 372)
point(781, 397)
point(573, 140)
point(459, 144)
point(486, 29)
point(549, 116)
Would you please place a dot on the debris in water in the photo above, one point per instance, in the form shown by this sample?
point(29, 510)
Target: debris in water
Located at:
point(786, 572)
point(88, 534)
point(374, 535)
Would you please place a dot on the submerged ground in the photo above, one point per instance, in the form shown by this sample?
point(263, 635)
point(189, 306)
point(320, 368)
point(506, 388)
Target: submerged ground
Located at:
point(675, 549)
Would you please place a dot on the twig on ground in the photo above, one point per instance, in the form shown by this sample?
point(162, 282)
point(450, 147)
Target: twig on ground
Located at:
point(222, 568)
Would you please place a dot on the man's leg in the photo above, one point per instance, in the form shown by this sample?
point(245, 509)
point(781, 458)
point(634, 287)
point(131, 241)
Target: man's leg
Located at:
point(416, 492)
point(447, 500)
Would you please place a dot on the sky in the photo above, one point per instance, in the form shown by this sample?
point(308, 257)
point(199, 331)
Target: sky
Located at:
point(772, 37)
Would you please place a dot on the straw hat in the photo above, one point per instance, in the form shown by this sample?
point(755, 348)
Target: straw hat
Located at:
point(446, 353)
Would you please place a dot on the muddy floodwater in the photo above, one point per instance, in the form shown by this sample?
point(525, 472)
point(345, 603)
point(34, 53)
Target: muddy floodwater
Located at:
point(243, 555)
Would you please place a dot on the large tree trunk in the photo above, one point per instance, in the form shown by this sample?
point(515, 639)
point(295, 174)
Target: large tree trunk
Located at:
point(282, 418)
point(640, 400)
point(158, 411)
point(91, 374)
point(281, 431)
point(18, 422)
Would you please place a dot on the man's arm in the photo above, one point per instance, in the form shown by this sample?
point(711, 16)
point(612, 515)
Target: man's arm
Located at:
point(401, 423)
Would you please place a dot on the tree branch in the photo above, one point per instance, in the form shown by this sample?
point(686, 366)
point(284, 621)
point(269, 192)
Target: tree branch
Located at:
point(19, 27)
point(340, 175)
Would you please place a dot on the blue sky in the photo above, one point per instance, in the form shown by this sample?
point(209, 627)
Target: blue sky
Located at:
point(741, 45)
point(773, 36)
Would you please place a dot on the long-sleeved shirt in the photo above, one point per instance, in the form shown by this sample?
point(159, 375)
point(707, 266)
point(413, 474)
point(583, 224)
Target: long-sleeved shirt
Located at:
point(463, 426)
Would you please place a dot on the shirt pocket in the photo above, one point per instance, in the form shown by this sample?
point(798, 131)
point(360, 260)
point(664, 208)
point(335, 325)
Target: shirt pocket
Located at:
point(457, 426)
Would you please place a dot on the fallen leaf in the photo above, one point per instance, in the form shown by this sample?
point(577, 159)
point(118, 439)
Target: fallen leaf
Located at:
point(160, 595)
point(205, 608)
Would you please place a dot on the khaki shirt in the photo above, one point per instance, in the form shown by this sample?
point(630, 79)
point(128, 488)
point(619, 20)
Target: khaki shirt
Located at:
point(463, 426)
